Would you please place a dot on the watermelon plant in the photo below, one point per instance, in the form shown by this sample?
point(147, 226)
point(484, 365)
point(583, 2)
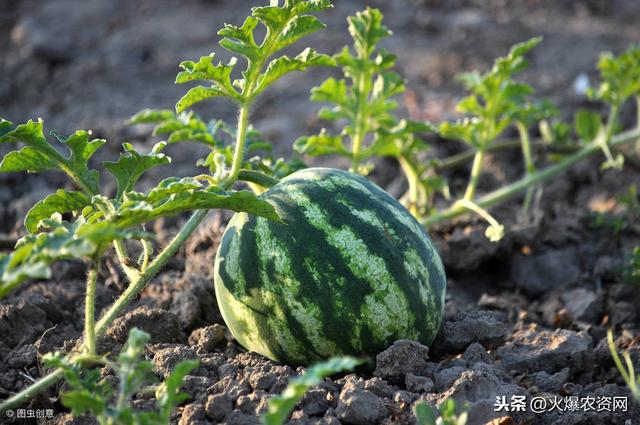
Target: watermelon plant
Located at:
point(626, 369)
point(91, 392)
point(310, 252)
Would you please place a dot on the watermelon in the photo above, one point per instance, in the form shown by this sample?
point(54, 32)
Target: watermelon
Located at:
point(348, 272)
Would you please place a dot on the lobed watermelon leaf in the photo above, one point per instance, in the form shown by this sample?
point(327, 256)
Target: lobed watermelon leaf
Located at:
point(285, 25)
point(132, 165)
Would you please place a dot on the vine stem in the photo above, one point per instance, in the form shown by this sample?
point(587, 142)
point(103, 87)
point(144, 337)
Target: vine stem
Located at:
point(515, 188)
point(258, 178)
point(238, 156)
point(139, 282)
point(478, 159)
point(90, 310)
point(413, 180)
point(361, 119)
point(529, 164)
point(467, 155)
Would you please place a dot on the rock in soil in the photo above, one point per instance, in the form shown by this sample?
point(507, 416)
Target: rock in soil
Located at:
point(539, 273)
point(360, 407)
point(464, 328)
point(532, 349)
point(161, 325)
point(401, 358)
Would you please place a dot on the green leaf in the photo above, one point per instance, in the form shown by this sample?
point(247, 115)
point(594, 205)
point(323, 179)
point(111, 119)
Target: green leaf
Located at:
point(322, 144)
point(620, 76)
point(298, 27)
point(285, 25)
point(26, 159)
point(588, 125)
point(60, 240)
point(82, 149)
point(284, 65)
point(424, 414)
point(173, 196)
point(240, 39)
point(151, 116)
point(131, 165)
point(40, 155)
point(13, 272)
point(367, 30)
point(196, 95)
point(5, 127)
point(83, 401)
point(168, 394)
point(280, 407)
point(60, 202)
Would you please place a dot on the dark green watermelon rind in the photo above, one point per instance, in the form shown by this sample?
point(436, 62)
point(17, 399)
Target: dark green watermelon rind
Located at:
point(354, 274)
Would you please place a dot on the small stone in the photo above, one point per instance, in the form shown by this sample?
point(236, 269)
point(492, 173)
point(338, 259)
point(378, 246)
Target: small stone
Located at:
point(208, 337)
point(404, 398)
point(193, 414)
point(402, 357)
point(532, 349)
point(167, 358)
point(479, 390)
point(218, 406)
point(446, 377)
point(418, 384)
point(379, 387)
point(551, 383)
point(476, 353)
point(262, 380)
point(196, 386)
point(254, 403)
point(583, 305)
point(315, 402)
point(540, 273)
point(360, 407)
point(464, 328)
point(231, 387)
point(238, 418)
point(227, 370)
point(162, 326)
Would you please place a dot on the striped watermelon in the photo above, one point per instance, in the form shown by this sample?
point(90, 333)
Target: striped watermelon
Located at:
point(350, 272)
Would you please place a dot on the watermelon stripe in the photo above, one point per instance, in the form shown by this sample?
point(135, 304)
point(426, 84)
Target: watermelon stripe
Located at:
point(349, 272)
point(391, 250)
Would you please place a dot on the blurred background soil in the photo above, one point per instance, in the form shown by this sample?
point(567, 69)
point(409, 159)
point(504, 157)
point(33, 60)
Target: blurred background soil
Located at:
point(91, 64)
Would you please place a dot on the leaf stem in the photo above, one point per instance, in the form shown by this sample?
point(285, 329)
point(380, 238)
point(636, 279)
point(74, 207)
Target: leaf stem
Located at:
point(413, 180)
point(539, 176)
point(90, 309)
point(529, 164)
point(241, 135)
point(31, 391)
point(138, 283)
point(476, 169)
point(467, 155)
point(603, 142)
point(123, 258)
point(360, 127)
point(257, 177)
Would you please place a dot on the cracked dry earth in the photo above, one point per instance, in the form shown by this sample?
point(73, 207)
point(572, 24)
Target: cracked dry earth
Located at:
point(525, 317)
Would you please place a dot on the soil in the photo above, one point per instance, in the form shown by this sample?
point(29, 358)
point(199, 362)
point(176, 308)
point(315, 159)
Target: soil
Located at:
point(525, 317)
